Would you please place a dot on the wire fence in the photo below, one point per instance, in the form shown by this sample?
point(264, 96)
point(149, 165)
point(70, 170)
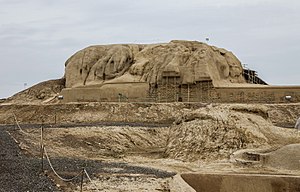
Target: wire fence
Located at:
point(45, 153)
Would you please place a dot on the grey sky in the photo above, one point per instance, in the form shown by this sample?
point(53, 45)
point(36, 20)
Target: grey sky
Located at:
point(37, 36)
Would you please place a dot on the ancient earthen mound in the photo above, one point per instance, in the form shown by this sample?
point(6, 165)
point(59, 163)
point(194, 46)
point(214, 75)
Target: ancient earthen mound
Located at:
point(191, 60)
point(42, 92)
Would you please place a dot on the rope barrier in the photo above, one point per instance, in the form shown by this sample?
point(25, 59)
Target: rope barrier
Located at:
point(16, 120)
point(60, 177)
point(44, 151)
point(87, 175)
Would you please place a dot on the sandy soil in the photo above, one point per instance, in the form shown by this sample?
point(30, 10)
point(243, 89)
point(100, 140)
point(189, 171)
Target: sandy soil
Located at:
point(206, 138)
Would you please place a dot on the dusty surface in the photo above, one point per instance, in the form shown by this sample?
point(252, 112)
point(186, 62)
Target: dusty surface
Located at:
point(231, 182)
point(44, 92)
point(192, 60)
point(217, 131)
point(98, 142)
point(163, 139)
point(107, 170)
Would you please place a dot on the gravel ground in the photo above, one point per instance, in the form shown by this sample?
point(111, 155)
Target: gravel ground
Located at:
point(18, 172)
point(21, 173)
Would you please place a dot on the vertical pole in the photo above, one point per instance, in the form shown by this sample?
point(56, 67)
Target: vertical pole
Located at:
point(81, 181)
point(42, 159)
point(55, 118)
point(42, 136)
point(42, 149)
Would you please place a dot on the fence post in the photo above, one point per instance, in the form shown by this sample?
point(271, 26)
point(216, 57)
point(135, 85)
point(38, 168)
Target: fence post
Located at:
point(42, 158)
point(81, 182)
point(42, 148)
point(42, 136)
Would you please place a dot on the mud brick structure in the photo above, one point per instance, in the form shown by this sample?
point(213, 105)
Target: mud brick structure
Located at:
point(202, 91)
point(179, 71)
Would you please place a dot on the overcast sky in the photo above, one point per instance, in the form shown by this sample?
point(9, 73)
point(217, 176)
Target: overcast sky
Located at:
point(38, 36)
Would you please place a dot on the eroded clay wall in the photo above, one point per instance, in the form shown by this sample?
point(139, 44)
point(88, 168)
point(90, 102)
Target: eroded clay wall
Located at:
point(174, 92)
point(268, 94)
point(109, 92)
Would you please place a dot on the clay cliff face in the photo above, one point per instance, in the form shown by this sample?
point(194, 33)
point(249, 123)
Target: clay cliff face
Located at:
point(191, 60)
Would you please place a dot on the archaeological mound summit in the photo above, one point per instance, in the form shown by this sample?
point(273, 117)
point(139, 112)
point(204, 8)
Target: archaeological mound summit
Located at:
point(187, 71)
point(192, 61)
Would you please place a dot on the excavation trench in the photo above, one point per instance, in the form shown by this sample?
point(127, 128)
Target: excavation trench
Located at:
point(229, 182)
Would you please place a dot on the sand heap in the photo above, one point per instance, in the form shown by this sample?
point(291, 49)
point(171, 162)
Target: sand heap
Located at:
point(192, 60)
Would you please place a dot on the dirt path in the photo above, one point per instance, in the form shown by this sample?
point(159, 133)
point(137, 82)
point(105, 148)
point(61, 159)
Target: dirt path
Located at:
point(18, 172)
